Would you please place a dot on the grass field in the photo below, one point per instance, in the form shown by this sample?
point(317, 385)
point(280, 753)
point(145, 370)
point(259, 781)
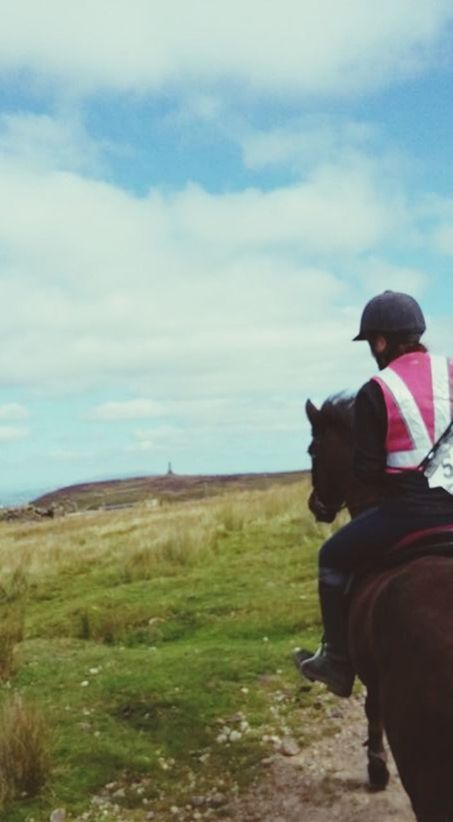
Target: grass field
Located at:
point(146, 655)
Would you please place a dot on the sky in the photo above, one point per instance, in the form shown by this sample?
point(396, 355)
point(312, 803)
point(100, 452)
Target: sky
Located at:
point(196, 201)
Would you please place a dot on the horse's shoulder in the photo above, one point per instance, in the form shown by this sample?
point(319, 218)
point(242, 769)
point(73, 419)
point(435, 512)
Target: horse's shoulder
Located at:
point(401, 617)
point(416, 591)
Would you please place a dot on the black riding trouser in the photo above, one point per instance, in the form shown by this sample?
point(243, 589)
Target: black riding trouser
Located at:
point(367, 537)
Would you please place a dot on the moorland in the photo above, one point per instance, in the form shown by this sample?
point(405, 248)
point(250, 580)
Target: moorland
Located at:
point(146, 652)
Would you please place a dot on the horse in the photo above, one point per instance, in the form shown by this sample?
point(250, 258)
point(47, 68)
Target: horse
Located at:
point(400, 634)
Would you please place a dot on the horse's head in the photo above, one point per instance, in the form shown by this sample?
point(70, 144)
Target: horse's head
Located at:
point(331, 456)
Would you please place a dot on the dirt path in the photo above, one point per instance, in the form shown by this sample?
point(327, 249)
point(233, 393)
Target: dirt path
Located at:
point(325, 781)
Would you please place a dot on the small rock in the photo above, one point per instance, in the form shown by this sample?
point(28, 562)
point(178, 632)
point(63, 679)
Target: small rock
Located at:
point(235, 736)
point(217, 800)
point(289, 747)
point(120, 793)
point(198, 801)
point(59, 815)
point(221, 738)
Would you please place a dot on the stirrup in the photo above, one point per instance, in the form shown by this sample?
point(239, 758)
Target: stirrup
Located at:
point(333, 670)
point(300, 656)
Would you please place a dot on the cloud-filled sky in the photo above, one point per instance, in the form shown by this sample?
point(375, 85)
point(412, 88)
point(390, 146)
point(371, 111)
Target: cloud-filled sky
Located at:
point(196, 201)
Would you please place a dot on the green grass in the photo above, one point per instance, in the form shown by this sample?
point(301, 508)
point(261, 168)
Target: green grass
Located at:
point(137, 672)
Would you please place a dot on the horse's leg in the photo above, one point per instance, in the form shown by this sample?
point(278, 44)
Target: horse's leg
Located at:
point(378, 775)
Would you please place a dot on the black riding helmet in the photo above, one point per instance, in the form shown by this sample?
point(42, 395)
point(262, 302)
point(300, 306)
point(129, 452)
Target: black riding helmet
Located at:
point(391, 313)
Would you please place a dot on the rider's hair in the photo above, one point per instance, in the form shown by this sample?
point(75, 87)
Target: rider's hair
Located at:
point(399, 344)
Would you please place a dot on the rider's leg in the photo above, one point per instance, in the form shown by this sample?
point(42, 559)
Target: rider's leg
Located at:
point(337, 559)
point(359, 543)
point(331, 664)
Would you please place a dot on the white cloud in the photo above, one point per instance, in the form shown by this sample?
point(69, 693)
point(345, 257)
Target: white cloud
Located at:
point(126, 410)
point(186, 291)
point(13, 411)
point(302, 142)
point(44, 142)
point(160, 432)
point(442, 238)
point(190, 293)
point(68, 455)
point(435, 214)
point(439, 334)
point(9, 433)
point(304, 215)
point(295, 46)
point(377, 274)
point(159, 438)
point(93, 233)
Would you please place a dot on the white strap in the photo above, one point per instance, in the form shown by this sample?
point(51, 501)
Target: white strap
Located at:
point(406, 459)
point(441, 392)
point(409, 410)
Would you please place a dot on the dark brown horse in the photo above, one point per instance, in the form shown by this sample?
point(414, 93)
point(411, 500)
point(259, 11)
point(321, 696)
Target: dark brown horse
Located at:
point(400, 635)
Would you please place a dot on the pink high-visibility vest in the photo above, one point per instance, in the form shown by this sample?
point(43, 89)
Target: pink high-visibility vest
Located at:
point(418, 393)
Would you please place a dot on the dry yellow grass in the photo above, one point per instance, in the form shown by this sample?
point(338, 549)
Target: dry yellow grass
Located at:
point(138, 539)
point(11, 633)
point(24, 749)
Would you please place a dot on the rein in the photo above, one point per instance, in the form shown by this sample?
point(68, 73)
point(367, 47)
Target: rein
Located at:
point(323, 512)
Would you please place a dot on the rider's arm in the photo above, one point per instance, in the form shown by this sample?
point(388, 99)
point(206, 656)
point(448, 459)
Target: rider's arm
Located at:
point(370, 425)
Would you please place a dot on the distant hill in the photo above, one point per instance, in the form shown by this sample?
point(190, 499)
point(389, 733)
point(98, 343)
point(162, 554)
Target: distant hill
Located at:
point(124, 492)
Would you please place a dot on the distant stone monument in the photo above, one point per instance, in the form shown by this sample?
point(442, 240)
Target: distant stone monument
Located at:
point(170, 470)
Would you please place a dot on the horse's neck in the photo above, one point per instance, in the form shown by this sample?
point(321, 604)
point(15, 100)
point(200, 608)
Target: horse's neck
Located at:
point(358, 497)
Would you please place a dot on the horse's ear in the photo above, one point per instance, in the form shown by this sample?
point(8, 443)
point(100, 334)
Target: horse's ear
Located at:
point(312, 413)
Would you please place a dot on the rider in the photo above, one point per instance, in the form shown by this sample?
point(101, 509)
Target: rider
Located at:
point(399, 415)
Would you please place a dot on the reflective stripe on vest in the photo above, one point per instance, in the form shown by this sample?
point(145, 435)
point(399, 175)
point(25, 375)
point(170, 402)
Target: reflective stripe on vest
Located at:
point(441, 393)
point(406, 395)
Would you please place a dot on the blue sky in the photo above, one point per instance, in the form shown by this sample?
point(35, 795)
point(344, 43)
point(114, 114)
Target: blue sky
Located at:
point(196, 201)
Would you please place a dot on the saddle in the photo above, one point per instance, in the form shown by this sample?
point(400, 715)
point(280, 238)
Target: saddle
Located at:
point(437, 541)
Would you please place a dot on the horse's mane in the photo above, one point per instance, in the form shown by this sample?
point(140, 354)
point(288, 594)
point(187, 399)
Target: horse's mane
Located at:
point(338, 411)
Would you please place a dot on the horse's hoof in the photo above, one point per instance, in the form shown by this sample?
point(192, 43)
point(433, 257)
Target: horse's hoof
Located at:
point(378, 774)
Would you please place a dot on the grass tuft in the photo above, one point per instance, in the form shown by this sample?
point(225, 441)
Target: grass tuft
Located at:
point(24, 750)
point(13, 589)
point(11, 633)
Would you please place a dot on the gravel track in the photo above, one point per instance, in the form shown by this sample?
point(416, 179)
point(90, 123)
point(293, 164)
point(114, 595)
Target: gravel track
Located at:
point(325, 781)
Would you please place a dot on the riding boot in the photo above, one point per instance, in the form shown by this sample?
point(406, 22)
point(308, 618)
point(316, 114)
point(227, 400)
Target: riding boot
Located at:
point(331, 664)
